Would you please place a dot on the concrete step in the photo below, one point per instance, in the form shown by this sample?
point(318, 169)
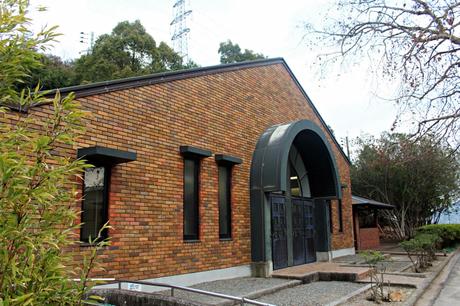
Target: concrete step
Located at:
point(322, 271)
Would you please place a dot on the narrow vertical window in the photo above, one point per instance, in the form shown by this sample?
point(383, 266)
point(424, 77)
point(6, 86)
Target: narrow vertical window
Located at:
point(225, 210)
point(331, 224)
point(340, 214)
point(94, 207)
point(191, 198)
point(226, 165)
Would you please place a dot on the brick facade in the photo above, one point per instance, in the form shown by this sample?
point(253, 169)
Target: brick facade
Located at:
point(224, 112)
point(368, 238)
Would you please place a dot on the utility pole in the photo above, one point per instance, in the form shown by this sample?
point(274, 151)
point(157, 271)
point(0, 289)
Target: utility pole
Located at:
point(179, 28)
point(345, 143)
point(348, 146)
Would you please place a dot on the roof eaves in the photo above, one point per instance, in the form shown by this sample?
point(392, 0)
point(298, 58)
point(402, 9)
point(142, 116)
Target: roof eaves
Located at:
point(132, 82)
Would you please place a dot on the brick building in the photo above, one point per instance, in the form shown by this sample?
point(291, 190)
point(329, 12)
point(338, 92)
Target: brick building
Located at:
point(210, 173)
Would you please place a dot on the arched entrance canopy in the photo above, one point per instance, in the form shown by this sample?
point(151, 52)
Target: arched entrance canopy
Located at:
point(270, 176)
point(270, 159)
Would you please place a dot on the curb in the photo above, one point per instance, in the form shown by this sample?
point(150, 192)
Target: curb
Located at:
point(427, 282)
point(450, 267)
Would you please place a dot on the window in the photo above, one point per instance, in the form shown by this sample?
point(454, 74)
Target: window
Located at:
point(331, 224)
point(225, 164)
point(225, 210)
point(340, 215)
point(191, 198)
point(294, 181)
point(94, 207)
point(191, 217)
point(367, 218)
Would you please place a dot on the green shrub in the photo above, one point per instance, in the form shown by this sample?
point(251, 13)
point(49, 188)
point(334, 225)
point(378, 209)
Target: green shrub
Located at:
point(376, 273)
point(449, 233)
point(421, 250)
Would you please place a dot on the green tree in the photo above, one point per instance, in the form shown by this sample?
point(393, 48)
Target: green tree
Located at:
point(128, 51)
point(18, 49)
point(415, 43)
point(52, 73)
point(37, 182)
point(231, 53)
point(420, 178)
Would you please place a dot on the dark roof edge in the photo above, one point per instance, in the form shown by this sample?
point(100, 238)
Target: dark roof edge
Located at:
point(316, 111)
point(132, 82)
point(358, 201)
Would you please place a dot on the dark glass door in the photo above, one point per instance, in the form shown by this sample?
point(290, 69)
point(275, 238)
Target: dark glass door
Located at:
point(309, 231)
point(298, 228)
point(279, 232)
point(303, 231)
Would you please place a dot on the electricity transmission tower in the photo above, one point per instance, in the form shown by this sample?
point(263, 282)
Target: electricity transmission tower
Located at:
point(88, 40)
point(179, 28)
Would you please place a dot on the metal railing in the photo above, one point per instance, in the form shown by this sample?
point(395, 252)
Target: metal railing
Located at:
point(241, 300)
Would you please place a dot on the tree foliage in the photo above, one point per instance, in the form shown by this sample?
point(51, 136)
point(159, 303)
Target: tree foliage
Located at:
point(231, 53)
point(18, 48)
point(128, 51)
point(52, 73)
point(37, 185)
point(420, 178)
point(414, 42)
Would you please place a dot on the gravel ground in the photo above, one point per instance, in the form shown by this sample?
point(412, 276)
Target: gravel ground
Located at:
point(313, 294)
point(361, 299)
point(237, 287)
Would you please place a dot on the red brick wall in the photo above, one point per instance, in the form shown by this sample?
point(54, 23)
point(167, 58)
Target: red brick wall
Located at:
point(368, 238)
point(225, 113)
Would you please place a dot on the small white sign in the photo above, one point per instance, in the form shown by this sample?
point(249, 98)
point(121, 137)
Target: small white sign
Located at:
point(134, 287)
point(94, 177)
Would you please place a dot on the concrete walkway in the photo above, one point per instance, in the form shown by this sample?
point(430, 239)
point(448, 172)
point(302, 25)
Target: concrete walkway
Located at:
point(450, 293)
point(322, 271)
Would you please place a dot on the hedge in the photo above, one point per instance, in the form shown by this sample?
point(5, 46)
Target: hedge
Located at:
point(449, 233)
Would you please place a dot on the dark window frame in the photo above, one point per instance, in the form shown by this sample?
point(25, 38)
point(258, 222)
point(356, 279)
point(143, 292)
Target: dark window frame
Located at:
point(340, 214)
point(225, 233)
point(105, 205)
point(195, 201)
point(331, 223)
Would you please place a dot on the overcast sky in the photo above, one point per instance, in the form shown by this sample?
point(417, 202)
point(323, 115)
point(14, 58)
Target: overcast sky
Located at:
point(346, 98)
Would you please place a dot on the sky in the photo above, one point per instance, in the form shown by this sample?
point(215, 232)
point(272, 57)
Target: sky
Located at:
point(346, 97)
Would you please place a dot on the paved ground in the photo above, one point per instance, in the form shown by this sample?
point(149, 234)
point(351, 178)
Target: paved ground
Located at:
point(300, 272)
point(450, 293)
point(313, 294)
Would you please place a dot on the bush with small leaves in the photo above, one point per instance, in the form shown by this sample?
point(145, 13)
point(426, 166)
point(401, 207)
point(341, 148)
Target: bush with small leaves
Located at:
point(38, 186)
point(421, 250)
point(449, 233)
point(372, 259)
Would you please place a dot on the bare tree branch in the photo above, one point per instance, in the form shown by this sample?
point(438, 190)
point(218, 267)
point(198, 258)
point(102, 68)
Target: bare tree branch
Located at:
point(415, 42)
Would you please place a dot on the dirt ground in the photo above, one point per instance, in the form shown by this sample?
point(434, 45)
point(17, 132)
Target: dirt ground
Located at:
point(363, 298)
